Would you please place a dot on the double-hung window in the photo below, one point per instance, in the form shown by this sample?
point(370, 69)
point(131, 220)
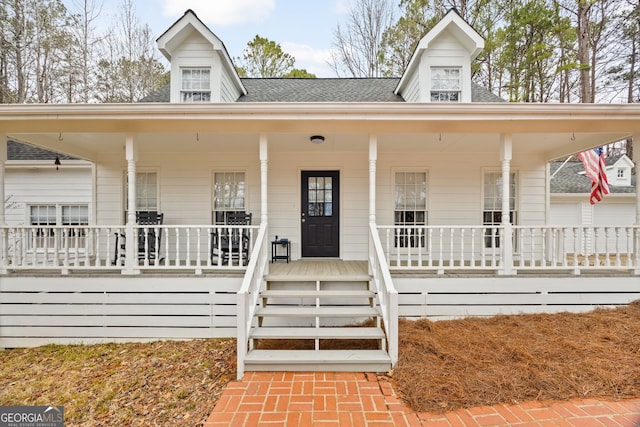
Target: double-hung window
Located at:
point(146, 192)
point(229, 194)
point(492, 211)
point(47, 217)
point(446, 84)
point(410, 210)
point(195, 85)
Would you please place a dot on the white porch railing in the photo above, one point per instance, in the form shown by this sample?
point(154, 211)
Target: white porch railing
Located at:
point(577, 248)
point(386, 292)
point(455, 248)
point(166, 247)
point(247, 297)
point(53, 247)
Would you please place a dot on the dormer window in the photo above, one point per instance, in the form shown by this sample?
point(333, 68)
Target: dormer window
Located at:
point(196, 85)
point(621, 173)
point(446, 84)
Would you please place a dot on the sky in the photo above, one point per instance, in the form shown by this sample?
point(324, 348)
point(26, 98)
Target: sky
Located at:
point(303, 28)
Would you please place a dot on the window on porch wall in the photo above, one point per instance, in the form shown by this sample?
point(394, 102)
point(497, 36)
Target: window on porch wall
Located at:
point(53, 215)
point(410, 208)
point(492, 212)
point(146, 192)
point(228, 195)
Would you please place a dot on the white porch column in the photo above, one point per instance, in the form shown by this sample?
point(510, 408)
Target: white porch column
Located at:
point(506, 243)
point(3, 241)
point(636, 160)
point(373, 157)
point(131, 258)
point(264, 157)
point(3, 160)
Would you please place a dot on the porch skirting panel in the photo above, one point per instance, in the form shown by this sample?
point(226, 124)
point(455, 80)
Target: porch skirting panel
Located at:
point(442, 297)
point(83, 310)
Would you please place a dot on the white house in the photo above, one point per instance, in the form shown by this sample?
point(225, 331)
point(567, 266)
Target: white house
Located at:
point(418, 196)
point(570, 188)
point(39, 192)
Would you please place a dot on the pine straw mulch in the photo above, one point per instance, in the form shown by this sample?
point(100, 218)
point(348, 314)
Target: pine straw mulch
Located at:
point(448, 365)
point(163, 383)
point(443, 366)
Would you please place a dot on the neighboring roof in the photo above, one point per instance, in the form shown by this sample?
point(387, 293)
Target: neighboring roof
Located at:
point(20, 151)
point(323, 90)
point(570, 178)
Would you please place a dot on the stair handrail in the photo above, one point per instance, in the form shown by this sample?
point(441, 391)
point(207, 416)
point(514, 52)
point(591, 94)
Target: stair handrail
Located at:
point(386, 291)
point(248, 294)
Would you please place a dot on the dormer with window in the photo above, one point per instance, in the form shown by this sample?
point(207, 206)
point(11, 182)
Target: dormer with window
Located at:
point(440, 68)
point(201, 68)
point(619, 173)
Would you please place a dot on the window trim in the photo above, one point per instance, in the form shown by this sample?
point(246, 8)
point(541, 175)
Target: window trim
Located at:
point(59, 207)
point(213, 193)
point(184, 92)
point(125, 191)
point(424, 243)
point(433, 91)
point(513, 212)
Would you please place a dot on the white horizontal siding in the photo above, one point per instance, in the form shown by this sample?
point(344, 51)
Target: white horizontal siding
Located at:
point(34, 311)
point(27, 186)
point(412, 91)
point(449, 297)
point(285, 197)
point(109, 188)
point(455, 186)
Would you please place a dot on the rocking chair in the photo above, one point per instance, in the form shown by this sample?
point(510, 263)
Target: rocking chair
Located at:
point(232, 243)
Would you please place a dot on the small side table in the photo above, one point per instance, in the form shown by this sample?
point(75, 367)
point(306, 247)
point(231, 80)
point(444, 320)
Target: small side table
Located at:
point(286, 244)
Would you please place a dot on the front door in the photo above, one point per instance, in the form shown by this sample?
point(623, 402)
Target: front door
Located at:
point(320, 216)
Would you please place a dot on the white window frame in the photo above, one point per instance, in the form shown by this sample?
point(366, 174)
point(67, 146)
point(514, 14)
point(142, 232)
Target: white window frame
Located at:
point(220, 208)
point(400, 215)
point(620, 174)
point(57, 220)
point(492, 216)
point(139, 195)
point(445, 89)
point(194, 91)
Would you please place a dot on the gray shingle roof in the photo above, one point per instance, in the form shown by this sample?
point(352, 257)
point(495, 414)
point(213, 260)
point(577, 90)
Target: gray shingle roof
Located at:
point(323, 90)
point(320, 90)
point(161, 95)
point(570, 178)
point(20, 151)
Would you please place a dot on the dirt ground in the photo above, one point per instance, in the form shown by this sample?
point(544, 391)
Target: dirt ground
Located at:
point(442, 366)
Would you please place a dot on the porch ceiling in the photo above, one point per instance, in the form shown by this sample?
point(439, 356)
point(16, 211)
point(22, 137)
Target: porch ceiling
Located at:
point(87, 131)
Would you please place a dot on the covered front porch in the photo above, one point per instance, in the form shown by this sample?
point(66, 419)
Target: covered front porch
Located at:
point(446, 207)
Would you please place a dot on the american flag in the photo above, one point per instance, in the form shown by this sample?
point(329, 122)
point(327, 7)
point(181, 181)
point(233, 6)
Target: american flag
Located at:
point(594, 168)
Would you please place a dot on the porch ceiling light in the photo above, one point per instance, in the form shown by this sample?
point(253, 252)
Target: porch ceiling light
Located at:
point(317, 139)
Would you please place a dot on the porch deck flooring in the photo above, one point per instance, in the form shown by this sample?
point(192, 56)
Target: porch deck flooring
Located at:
point(318, 269)
point(366, 399)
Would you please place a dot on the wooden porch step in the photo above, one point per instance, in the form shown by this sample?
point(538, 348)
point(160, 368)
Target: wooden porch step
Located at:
point(318, 360)
point(313, 333)
point(305, 278)
point(329, 293)
point(312, 311)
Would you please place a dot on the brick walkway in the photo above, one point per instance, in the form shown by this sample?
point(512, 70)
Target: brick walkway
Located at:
point(273, 399)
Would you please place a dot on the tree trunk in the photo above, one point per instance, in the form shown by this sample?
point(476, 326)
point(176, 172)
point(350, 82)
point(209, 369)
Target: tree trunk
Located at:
point(583, 51)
